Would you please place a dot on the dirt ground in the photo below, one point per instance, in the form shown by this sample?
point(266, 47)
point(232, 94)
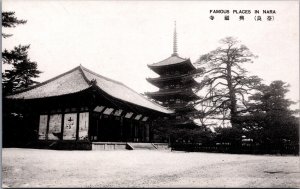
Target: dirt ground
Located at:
point(51, 168)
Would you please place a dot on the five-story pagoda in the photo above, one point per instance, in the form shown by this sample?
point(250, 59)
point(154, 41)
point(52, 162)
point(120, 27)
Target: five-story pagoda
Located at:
point(175, 82)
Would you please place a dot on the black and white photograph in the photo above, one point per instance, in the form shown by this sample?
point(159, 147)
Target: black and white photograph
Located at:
point(150, 94)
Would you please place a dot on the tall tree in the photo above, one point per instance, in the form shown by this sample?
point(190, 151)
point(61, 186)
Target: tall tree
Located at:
point(225, 83)
point(270, 120)
point(23, 70)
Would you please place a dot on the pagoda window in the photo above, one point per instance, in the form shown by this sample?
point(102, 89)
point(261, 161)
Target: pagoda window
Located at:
point(172, 100)
point(178, 86)
point(178, 101)
point(167, 87)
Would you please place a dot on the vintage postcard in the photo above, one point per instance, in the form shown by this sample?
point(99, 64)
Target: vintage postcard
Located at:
point(101, 94)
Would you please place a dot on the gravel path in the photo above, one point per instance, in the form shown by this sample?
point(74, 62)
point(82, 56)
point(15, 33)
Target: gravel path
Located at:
point(51, 168)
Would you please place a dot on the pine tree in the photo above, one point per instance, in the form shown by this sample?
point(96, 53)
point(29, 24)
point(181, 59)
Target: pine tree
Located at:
point(10, 21)
point(270, 120)
point(23, 70)
point(225, 81)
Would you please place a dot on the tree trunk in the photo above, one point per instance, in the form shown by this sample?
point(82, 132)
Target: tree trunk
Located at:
point(232, 97)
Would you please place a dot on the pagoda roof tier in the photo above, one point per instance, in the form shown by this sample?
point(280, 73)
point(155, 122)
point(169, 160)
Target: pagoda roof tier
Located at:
point(181, 107)
point(183, 122)
point(174, 59)
point(171, 63)
point(161, 98)
point(181, 78)
point(162, 83)
point(183, 90)
point(174, 93)
point(172, 77)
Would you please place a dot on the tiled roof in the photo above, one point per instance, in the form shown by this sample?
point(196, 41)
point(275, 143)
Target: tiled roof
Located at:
point(169, 61)
point(67, 83)
point(79, 79)
point(121, 91)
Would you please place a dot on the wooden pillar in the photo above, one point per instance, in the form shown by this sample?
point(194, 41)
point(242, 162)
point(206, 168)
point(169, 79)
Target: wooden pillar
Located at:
point(143, 132)
point(77, 126)
point(147, 138)
point(98, 127)
point(121, 128)
point(136, 132)
point(47, 128)
point(131, 130)
point(150, 131)
point(62, 124)
point(90, 125)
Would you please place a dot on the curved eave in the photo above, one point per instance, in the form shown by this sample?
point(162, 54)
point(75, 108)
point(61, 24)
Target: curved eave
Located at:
point(46, 97)
point(171, 78)
point(159, 69)
point(120, 96)
point(191, 83)
point(184, 109)
point(157, 65)
point(166, 94)
point(187, 62)
point(185, 123)
point(163, 110)
point(173, 59)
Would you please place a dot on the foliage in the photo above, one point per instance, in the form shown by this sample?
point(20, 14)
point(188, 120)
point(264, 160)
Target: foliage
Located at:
point(230, 135)
point(23, 70)
point(270, 120)
point(183, 132)
point(10, 21)
point(225, 81)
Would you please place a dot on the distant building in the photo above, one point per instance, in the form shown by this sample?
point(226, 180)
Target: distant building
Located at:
point(80, 106)
point(175, 83)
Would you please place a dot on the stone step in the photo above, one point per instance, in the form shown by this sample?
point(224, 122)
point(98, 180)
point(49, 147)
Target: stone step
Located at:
point(142, 146)
point(162, 146)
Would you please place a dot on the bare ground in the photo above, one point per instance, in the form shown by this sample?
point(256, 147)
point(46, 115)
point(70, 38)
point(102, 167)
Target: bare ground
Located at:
point(51, 168)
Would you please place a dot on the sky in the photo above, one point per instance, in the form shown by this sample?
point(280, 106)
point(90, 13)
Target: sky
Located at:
point(118, 39)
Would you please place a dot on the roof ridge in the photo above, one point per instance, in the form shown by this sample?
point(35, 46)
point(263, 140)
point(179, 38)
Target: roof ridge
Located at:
point(83, 75)
point(94, 73)
point(45, 82)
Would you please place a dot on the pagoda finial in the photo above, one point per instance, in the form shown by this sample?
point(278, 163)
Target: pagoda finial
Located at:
point(175, 41)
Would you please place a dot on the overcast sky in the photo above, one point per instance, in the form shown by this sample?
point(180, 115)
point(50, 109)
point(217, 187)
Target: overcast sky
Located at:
point(118, 39)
